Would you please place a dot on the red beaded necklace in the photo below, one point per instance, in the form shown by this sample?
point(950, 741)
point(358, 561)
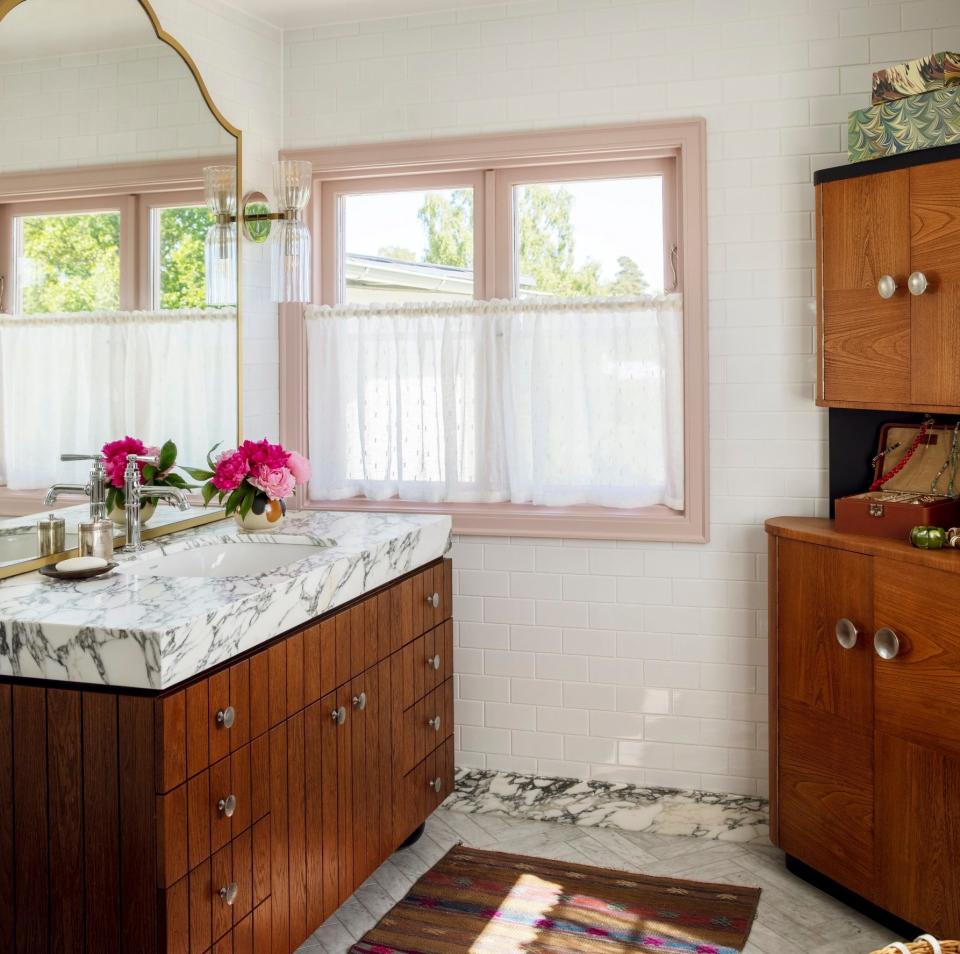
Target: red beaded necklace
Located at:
point(911, 450)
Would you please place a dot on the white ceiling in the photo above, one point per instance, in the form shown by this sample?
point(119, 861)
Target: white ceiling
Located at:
point(290, 14)
point(40, 28)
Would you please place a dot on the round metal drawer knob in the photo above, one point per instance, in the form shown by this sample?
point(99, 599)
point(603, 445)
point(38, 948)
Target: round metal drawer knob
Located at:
point(847, 633)
point(887, 286)
point(228, 893)
point(339, 716)
point(226, 717)
point(434, 661)
point(434, 723)
point(227, 806)
point(436, 785)
point(917, 283)
point(360, 702)
point(886, 643)
point(434, 600)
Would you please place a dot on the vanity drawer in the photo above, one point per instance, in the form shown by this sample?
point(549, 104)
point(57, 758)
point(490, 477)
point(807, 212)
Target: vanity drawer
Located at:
point(426, 599)
point(201, 724)
point(420, 730)
point(201, 816)
point(424, 664)
point(423, 790)
point(217, 899)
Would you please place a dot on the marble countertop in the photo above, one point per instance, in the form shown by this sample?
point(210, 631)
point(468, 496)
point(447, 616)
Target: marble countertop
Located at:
point(152, 632)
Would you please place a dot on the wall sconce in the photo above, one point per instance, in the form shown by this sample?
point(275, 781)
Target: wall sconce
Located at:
point(220, 255)
point(290, 252)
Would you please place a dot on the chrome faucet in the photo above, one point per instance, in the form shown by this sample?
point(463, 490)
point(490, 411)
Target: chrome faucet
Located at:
point(134, 492)
point(95, 487)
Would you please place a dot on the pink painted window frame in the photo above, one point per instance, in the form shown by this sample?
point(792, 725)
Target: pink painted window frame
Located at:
point(503, 160)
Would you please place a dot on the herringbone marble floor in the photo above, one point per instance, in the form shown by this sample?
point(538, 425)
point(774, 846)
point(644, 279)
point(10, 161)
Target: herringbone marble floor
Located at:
point(793, 917)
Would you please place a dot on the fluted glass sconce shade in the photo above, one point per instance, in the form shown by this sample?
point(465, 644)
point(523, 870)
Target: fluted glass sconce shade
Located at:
point(220, 259)
point(291, 184)
point(290, 261)
point(220, 193)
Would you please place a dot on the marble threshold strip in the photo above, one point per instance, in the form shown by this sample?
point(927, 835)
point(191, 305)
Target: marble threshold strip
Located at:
point(599, 804)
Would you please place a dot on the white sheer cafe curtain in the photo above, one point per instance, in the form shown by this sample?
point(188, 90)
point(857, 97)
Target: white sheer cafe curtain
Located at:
point(71, 382)
point(553, 402)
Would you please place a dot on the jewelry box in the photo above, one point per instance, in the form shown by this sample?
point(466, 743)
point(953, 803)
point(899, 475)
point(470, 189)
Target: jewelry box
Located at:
point(916, 482)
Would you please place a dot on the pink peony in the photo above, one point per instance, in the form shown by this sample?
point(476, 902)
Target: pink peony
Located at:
point(277, 483)
point(263, 452)
point(230, 471)
point(299, 466)
point(116, 452)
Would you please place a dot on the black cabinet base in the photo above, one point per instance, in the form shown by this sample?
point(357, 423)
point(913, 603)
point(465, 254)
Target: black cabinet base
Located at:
point(414, 836)
point(852, 900)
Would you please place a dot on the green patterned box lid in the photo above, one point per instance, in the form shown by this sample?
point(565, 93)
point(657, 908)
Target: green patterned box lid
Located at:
point(905, 125)
point(922, 75)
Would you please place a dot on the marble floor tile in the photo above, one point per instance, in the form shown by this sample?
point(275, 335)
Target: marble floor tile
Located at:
point(793, 917)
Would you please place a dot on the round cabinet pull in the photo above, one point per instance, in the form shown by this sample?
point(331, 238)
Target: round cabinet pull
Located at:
point(360, 702)
point(339, 716)
point(227, 806)
point(917, 283)
point(434, 723)
point(847, 633)
point(887, 286)
point(434, 661)
point(228, 893)
point(434, 600)
point(886, 643)
point(436, 785)
point(226, 717)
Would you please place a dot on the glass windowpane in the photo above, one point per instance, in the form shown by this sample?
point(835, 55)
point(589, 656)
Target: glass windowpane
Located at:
point(181, 234)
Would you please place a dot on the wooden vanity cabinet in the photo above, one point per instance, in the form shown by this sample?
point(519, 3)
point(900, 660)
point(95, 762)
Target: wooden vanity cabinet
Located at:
point(865, 740)
point(236, 813)
point(901, 352)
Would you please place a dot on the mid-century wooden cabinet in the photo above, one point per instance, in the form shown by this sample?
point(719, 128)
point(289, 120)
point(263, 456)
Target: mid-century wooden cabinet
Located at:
point(888, 284)
point(865, 738)
point(234, 814)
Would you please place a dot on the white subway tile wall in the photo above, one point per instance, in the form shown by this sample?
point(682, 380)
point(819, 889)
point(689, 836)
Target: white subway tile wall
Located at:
point(121, 105)
point(606, 659)
point(241, 61)
point(615, 660)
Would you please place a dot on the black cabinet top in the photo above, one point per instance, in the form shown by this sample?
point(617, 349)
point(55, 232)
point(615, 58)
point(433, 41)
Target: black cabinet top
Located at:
point(903, 160)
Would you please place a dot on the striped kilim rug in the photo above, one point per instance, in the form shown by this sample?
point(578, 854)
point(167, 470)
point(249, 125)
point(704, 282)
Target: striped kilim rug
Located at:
point(488, 902)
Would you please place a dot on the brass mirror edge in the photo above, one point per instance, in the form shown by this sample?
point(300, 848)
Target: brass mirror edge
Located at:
point(29, 566)
point(148, 533)
point(7, 5)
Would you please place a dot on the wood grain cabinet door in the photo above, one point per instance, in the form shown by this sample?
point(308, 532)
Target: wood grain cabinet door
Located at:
point(918, 746)
point(825, 712)
point(935, 254)
point(864, 234)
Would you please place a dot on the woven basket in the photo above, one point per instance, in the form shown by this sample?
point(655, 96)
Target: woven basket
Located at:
point(925, 944)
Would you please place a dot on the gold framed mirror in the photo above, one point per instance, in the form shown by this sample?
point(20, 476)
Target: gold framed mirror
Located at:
point(120, 279)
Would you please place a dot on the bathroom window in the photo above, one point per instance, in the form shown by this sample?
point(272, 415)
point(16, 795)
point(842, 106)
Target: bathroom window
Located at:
point(177, 265)
point(573, 404)
point(68, 262)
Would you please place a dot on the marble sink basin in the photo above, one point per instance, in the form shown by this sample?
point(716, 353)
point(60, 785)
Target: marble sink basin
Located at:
point(224, 559)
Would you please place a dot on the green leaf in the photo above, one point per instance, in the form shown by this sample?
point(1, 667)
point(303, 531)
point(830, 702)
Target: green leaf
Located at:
point(149, 472)
point(208, 492)
point(249, 494)
point(112, 495)
point(233, 501)
point(175, 480)
point(168, 456)
point(210, 462)
point(197, 473)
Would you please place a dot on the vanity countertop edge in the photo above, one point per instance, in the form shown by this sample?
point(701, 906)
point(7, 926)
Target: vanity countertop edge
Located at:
point(154, 633)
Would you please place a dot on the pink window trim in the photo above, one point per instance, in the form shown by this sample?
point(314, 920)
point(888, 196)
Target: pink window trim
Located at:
point(684, 140)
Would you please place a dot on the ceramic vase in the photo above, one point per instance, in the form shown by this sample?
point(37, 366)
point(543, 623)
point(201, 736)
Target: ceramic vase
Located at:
point(264, 515)
point(147, 509)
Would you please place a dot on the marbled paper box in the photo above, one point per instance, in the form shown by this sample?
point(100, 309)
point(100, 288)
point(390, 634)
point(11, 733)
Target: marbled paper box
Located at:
point(922, 75)
point(905, 125)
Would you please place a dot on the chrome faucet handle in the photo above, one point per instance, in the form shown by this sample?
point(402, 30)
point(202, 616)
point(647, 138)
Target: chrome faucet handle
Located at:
point(95, 457)
point(143, 459)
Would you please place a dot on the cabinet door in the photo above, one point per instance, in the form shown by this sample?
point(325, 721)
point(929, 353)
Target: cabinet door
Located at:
point(864, 234)
point(825, 712)
point(918, 747)
point(935, 252)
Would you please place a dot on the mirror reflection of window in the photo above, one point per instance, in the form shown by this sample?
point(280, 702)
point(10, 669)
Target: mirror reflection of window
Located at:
point(179, 269)
point(68, 263)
